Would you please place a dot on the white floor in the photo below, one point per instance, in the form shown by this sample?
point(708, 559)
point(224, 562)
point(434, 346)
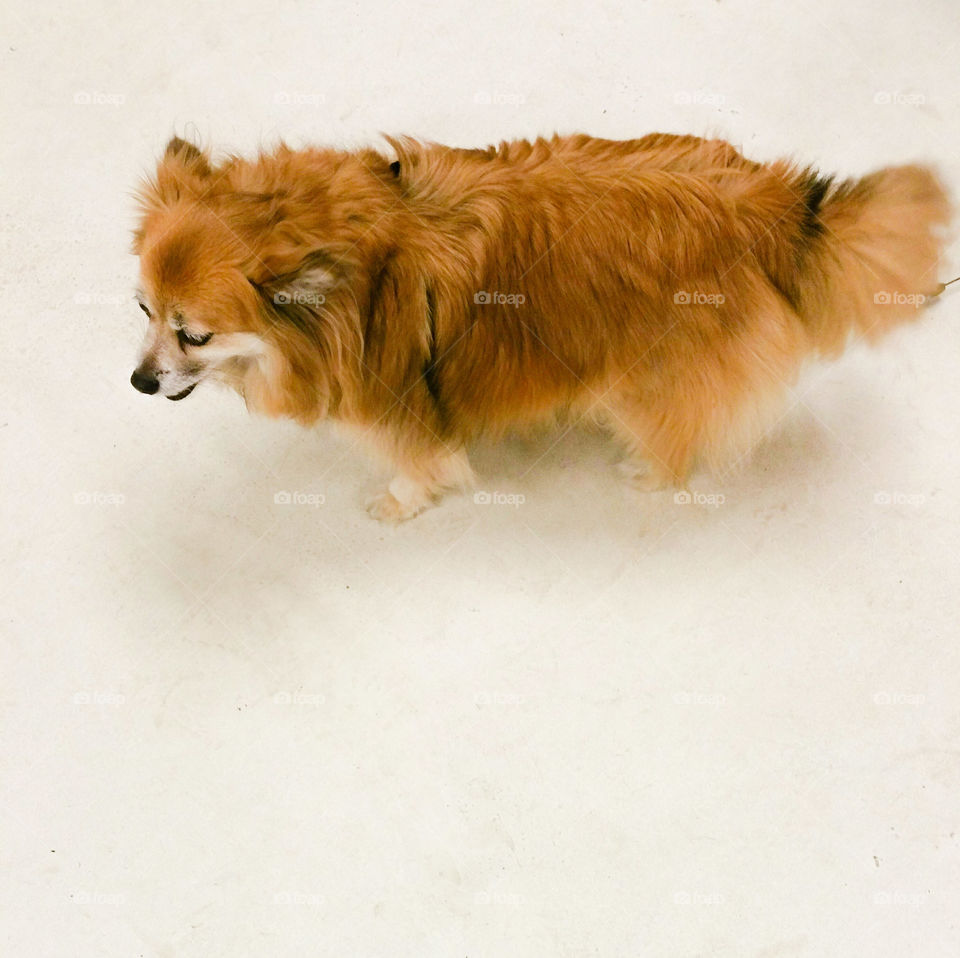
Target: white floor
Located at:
point(589, 724)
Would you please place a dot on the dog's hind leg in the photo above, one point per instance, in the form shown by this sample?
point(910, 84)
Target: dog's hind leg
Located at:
point(660, 441)
point(712, 403)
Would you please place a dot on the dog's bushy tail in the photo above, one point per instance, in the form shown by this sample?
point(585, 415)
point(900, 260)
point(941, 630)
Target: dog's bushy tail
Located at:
point(870, 253)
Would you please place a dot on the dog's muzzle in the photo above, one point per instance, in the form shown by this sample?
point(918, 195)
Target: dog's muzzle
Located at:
point(145, 384)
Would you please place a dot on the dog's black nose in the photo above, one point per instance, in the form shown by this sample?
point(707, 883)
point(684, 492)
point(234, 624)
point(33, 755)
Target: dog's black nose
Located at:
point(146, 384)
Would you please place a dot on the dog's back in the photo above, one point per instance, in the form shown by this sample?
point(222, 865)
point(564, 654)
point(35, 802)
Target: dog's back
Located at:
point(667, 283)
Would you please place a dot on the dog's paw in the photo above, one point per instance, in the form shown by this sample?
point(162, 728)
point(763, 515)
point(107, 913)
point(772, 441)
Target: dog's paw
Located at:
point(386, 507)
point(640, 476)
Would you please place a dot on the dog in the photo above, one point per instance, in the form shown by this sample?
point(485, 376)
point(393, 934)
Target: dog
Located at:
point(666, 287)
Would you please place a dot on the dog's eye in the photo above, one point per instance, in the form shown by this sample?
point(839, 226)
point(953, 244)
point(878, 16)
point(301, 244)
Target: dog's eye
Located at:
point(144, 308)
point(189, 340)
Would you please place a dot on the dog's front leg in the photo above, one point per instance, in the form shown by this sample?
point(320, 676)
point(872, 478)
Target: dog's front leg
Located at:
point(419, 483)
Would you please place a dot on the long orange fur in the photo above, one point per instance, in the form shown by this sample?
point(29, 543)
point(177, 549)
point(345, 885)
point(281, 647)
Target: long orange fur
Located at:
point(666, 286)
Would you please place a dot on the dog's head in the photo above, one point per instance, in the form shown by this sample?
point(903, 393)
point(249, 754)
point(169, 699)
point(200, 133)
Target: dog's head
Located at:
point(228, 293)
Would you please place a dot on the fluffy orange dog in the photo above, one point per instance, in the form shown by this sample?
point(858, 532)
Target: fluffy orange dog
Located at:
point(666, 286)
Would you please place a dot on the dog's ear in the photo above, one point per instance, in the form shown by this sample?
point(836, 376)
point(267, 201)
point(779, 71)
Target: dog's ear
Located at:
point(303, 287)
point(189, 157)
point(183, 171)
